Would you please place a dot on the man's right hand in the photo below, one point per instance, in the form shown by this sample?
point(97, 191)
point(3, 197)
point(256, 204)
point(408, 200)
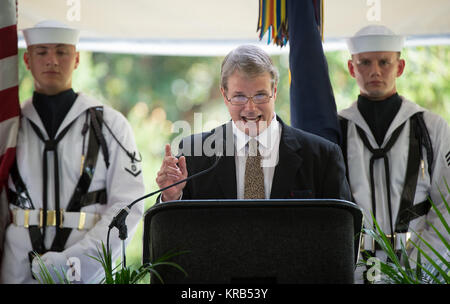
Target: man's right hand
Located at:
point(172, 170)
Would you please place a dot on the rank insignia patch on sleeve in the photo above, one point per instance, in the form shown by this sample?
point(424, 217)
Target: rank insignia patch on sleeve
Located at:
point(133, 170)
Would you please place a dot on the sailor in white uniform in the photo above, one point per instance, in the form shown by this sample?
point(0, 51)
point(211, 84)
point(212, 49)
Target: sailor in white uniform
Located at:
point(77, 165)
point(397, 153)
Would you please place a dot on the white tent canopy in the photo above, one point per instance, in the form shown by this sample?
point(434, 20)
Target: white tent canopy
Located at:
point(213, 27)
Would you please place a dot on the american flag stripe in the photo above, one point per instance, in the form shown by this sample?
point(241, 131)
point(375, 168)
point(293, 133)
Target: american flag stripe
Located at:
point(8, 33)
point(10, 103)
point(8, 72)
point(8, 13)
point(9, 96)
point(5, 163)
point(9, 126)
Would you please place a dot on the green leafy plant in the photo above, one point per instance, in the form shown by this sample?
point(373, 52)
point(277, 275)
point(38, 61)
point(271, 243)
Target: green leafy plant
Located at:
point(402, 271)
point(45, 275)
point(113, 275)
point(128, 275)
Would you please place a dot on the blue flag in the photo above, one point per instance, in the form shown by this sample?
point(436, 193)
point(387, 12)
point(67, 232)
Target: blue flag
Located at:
point(313, 107)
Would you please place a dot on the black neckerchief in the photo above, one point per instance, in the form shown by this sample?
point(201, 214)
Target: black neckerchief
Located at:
point(53, 109)
point(379, 114)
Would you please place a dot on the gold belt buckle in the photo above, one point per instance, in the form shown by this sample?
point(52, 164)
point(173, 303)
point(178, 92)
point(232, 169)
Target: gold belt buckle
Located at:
point(82, 220)
point(392, 240)
point(363, 240)
point(41, 218)
point(51, 217)
point(61, 218)
point(26, 218)
point(407, 240)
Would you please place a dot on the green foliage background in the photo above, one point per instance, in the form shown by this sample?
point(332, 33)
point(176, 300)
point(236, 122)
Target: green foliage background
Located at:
point(153, 92)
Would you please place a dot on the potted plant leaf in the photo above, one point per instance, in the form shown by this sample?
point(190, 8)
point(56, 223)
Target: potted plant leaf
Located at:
point(113, 275)
point(425, 269)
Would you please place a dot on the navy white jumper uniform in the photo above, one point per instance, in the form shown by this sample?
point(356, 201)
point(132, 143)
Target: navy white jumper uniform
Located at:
point(77, 165)
point(398, 160)
point(122, 187)
point(358, 158)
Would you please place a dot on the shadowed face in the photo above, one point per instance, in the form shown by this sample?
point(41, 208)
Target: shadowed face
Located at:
point(376, 72)
point(52, 66)
point(251, 118)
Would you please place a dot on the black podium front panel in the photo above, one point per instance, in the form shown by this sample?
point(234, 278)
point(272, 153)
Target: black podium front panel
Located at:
point(255, 241)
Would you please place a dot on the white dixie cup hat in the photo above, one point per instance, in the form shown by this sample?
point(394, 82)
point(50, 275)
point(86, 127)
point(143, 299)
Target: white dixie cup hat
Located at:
point(375, 38)
point(51, 31)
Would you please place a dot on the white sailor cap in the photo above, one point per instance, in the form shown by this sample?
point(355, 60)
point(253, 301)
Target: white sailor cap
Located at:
point(51, 31)
point(375, 38)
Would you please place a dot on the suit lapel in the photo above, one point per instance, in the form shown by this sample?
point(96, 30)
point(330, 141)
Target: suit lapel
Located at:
point(288, 164)
point(226, 169)
point(226, 177)
point(285, 171)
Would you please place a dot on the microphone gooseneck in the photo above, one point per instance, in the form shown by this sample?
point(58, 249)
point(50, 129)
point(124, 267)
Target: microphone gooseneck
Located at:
point(119, 220)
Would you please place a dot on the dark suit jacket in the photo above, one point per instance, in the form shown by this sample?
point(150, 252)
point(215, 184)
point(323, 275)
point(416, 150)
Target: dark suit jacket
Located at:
point(309, 166)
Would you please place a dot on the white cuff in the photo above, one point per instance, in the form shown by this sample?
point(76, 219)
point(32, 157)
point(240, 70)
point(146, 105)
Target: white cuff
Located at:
point(161, 201)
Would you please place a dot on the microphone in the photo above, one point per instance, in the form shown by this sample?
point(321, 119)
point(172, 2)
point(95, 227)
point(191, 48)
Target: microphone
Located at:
point(119, 220)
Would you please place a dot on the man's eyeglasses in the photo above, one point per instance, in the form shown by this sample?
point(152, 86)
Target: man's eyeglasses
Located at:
point(240, 100)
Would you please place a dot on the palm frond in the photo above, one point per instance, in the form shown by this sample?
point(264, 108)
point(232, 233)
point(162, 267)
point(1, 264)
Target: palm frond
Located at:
point(131, 274)
point(435, 270)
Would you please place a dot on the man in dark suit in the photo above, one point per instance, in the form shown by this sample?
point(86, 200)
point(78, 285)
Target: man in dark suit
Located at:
point(261, 156)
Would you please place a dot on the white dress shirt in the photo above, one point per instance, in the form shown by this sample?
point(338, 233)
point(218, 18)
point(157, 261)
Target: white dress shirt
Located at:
point(269, 143)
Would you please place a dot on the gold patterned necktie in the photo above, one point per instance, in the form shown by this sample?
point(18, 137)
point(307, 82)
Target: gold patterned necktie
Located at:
point(254, 176)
